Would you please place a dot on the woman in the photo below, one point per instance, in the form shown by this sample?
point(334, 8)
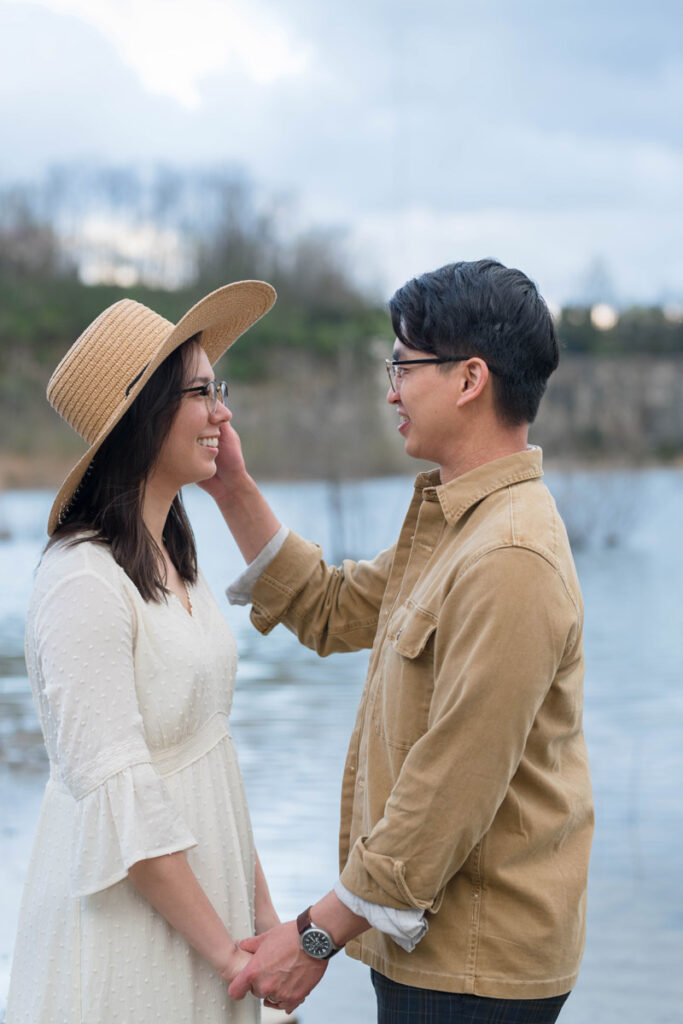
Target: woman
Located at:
point(143, 875)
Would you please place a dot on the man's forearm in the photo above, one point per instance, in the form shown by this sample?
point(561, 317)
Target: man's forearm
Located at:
point(337, 920)
point(248, 515)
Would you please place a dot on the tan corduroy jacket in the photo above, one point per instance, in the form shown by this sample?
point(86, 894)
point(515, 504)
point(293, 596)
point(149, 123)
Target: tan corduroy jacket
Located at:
point(466, 789)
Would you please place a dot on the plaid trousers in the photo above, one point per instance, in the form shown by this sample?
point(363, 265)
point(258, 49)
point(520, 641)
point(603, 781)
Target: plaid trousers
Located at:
point(403, 1004)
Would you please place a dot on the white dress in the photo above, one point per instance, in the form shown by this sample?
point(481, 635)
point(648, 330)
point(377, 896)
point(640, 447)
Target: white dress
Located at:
point(133, 699)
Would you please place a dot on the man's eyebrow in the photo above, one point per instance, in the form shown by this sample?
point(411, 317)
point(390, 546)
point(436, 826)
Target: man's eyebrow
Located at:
point(395, 354)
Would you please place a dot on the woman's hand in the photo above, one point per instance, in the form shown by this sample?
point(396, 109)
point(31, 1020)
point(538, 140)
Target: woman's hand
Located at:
point(237, 961)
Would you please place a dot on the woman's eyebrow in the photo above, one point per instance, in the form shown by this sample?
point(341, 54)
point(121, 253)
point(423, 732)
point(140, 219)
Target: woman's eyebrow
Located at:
point(200, 380)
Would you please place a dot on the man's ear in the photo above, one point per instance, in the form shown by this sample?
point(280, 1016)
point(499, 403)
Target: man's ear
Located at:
point(474, 376)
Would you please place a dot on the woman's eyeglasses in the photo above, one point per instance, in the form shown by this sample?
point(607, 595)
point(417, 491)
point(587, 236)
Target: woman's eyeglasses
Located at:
point(212, 391)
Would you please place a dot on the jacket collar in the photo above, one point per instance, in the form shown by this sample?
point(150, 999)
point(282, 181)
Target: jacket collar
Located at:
point(464, 491)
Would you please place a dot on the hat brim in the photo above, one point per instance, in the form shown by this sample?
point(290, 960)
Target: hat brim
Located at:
point(221, 317)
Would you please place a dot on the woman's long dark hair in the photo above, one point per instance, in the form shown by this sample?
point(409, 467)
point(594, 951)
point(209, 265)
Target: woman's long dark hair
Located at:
point(107, 506)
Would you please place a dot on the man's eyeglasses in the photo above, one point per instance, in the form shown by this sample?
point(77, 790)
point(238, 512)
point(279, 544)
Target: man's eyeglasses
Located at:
point(397, 373)
point(211, 392)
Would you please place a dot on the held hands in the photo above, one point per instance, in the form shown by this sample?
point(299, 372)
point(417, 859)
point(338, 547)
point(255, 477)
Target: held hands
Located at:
point(279, 971)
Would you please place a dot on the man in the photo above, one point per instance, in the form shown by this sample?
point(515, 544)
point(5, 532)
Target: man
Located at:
point(466, 814)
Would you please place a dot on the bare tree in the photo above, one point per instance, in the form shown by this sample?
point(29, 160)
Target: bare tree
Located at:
point(29, 248)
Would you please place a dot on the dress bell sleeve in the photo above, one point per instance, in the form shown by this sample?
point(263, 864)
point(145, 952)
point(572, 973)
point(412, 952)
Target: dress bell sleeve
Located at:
point(84, 636)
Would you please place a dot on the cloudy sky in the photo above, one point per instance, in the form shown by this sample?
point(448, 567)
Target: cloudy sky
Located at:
point(546, 134)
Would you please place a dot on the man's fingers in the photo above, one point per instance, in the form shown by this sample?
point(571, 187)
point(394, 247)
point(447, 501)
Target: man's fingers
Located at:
point(250, 944)
point(289, 1007)
point(240, 984)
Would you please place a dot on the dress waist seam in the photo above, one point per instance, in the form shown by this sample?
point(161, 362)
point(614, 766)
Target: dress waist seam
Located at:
point(173, 759)
point(166, 761)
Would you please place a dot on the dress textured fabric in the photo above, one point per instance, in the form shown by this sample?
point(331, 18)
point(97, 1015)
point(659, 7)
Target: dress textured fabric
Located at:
point(133, 699)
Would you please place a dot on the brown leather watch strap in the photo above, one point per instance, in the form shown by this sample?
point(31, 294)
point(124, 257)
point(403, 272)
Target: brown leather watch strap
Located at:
point(303, 921)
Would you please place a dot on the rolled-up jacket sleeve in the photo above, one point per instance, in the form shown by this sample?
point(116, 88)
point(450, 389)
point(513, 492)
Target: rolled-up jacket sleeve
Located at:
point(124, 813)
point(239, 591)
point(329, 608)
point(503, 631)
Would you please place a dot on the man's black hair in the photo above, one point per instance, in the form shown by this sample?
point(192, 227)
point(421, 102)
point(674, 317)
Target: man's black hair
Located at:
point(488, 310)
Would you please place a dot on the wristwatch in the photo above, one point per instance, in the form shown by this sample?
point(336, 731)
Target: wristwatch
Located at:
point(315, 941)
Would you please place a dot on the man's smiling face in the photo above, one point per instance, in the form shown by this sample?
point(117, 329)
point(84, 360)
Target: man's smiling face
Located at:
point(426, 405)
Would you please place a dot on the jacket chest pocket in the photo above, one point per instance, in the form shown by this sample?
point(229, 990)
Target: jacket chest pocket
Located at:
point(404, 692)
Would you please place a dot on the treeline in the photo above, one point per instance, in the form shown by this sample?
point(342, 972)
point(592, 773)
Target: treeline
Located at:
point(638, 330)
point(85, 236)
point(173, 238)
point(310, 372)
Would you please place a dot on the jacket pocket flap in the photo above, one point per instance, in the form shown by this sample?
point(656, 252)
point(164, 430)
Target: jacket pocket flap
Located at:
point(412, 632)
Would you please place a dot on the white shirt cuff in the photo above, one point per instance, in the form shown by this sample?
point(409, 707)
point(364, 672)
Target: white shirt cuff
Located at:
point(239, 591)
point(405, 927)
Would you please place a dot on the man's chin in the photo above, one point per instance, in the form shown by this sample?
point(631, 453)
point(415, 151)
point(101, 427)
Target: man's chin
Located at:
point(412, 449)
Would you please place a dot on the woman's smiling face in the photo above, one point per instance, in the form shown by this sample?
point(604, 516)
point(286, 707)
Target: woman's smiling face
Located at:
point(189, 451)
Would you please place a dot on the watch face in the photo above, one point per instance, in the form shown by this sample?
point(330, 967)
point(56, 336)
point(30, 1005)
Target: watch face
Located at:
point(316, 943)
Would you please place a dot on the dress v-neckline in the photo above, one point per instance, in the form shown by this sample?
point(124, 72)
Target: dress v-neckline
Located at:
point(188, 611)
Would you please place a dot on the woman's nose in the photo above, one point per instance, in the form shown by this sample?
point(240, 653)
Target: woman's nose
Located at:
point(221, 413)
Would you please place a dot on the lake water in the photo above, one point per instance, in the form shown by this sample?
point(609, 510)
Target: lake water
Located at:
point(293, 714)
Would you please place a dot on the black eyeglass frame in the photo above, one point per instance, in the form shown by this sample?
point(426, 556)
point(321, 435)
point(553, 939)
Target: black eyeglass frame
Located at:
point(212, 389)
point(391, 363)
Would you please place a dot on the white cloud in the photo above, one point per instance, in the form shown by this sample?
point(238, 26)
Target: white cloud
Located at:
point(118, 251)
point(174, 45)
point(553, 247)
point(544, 135)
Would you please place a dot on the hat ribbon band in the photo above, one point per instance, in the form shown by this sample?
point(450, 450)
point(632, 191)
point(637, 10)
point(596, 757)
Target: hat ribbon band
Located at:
point(135, 380)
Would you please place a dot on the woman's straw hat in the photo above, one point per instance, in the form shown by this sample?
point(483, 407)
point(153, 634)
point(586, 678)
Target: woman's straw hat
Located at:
point(103, 372)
